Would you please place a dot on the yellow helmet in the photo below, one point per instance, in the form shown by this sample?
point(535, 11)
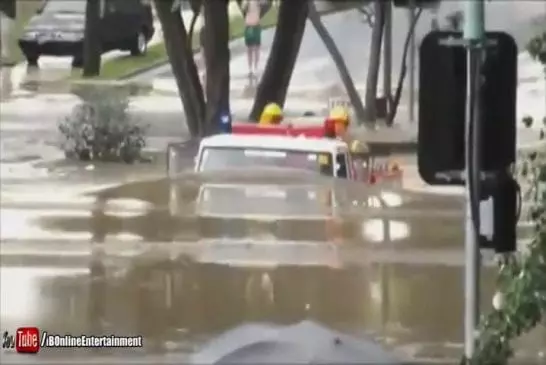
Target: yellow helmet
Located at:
point(272, 113)
point(339, 113)
point(358, 147)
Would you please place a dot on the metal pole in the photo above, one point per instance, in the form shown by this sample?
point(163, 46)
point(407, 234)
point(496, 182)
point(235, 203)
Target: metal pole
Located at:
point(411, 15)
point(474, 35)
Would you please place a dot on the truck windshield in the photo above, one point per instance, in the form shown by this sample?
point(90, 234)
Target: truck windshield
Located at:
point(213, 159)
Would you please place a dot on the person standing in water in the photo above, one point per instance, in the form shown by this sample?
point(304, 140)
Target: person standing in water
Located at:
point(253, 34)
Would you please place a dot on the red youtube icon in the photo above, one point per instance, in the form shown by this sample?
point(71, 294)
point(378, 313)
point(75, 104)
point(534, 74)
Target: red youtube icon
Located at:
point(27, 340)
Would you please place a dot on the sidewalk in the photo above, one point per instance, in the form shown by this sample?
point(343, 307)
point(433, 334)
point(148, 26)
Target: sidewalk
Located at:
point(527, 138)
point(405, 133)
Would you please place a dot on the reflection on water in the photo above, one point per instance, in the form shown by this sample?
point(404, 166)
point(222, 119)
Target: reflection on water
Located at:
point(172, 210)
point(22, 288)
point(21, 224)
point(178, 298)
point(178, 304)
point(378, 230)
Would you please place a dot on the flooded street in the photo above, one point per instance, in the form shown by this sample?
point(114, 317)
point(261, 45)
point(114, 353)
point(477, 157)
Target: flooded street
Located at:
point(129, 260)
point(106, 248)
point(98, 248)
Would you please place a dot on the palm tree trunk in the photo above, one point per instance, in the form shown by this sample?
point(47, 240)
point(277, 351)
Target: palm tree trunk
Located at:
point(374, 62)
point(8, 14)
point(345, 76)
point(282, 58)
point(403, 70)
point(91, 44)
point(387, 58)
point(217, 63)
point(196, 9)
point(183, 66)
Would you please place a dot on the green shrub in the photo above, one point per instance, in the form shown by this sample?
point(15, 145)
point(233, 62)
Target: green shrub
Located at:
point(519, 304)
point(100, 129)
point(520, 301)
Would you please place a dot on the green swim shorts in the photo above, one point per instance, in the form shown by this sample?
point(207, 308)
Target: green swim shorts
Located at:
point(253, 35)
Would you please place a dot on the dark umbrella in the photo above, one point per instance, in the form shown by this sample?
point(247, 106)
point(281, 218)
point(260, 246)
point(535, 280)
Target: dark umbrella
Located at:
point(302, 343)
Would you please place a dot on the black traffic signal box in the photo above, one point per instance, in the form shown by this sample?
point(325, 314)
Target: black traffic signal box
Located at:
point(442, 101)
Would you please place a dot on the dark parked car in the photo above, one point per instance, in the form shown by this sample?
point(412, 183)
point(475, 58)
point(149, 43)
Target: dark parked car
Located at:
point(58, 29)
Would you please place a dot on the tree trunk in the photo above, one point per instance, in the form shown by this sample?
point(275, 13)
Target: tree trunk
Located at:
point(282, 58)
point(403, 70)
point(196, 6)
point(387, 58)
point(344, 74)
point(91, 44)
point(8, 13)
point(183, 66)
point(374, 62)
point(217, 63)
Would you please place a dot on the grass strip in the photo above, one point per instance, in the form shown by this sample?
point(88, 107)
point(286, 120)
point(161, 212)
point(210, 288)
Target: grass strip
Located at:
point(122, 67)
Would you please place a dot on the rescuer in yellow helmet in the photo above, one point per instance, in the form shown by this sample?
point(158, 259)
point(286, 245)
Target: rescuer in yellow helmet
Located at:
point(340, 120)
point(271, 115)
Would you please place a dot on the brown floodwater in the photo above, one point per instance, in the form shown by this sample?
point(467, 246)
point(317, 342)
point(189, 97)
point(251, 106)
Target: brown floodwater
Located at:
point(145, 259)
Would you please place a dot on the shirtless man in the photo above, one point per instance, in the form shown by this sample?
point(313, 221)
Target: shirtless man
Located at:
point(253, 34)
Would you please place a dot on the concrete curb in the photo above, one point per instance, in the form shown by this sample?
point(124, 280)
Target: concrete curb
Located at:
point(161, 63)
point(410, 145)
point(141, 71)
point(166, 61)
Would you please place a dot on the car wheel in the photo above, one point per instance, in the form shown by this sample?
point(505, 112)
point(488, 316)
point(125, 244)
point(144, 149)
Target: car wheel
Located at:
point(77, 62)
point(32, 59)
point(140, 44)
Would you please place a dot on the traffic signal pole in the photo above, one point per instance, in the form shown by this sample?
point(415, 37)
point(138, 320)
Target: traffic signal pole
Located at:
point(474, 34)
